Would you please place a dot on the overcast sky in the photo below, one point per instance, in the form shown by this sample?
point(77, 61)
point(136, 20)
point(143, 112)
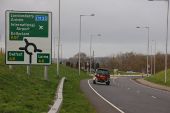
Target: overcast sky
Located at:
point(115, 20)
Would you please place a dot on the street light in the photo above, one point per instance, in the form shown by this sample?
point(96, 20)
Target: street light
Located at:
point(151, 67)
point(92, 36)
point(54, 50)
point(58, 56)
point(154, 55)
point(0, 46)
point(147, 64)
point(61, 52)
point(166, 59)
point(80, 38)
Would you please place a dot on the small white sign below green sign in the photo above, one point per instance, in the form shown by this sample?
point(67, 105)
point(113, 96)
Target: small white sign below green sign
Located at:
point(28, 37)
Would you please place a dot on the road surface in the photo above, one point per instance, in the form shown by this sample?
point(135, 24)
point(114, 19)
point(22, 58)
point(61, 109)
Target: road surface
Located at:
point(127, 96)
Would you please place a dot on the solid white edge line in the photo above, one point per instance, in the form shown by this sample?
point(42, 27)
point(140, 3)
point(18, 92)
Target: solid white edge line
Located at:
point(105, 99)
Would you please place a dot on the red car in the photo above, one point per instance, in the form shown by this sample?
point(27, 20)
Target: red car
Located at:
point(102, 76)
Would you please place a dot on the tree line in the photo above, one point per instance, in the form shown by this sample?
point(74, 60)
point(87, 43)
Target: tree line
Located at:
point(136, 62)
point(129, 61)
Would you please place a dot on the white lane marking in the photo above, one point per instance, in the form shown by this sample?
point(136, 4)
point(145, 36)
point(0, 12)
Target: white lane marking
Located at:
point(154, 97)
point(105, 99)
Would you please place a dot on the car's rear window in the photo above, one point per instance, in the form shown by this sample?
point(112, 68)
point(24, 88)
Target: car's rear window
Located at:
point(102, 71)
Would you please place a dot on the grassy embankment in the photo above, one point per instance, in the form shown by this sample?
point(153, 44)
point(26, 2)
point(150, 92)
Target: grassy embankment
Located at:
point(74, 100)
point(159, 78)
point(20, 93)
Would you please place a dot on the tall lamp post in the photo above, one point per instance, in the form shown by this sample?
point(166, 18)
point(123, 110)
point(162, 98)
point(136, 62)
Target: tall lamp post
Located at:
point(54, 49)
point(61, 54)
point(58, 51)
point(0, 46)
point(92, 36)
point(80, 38)
point(166, 50)
point(147, 64)
point(151, 67)
point(154, 59)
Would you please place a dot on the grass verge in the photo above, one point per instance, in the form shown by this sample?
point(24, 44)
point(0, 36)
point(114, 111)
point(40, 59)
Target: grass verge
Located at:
point(74, 99)
point(159, 78)
point(20, 93)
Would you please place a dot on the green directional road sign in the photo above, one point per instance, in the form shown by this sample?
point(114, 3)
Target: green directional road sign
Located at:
point(28, 37)
point(43, 58)
point(15, 56)
point(27, 25)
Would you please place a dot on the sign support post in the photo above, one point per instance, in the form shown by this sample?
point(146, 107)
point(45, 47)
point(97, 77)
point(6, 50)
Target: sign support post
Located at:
point(28, 69)
point(10, 67)
point(45, 72)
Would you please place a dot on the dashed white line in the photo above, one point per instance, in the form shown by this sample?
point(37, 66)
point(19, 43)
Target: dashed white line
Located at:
point(105, 99)
point(154, 97)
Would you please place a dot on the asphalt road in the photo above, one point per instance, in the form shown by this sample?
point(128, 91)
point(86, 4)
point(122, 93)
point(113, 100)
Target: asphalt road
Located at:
point(100, 105)
point(128, 96)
